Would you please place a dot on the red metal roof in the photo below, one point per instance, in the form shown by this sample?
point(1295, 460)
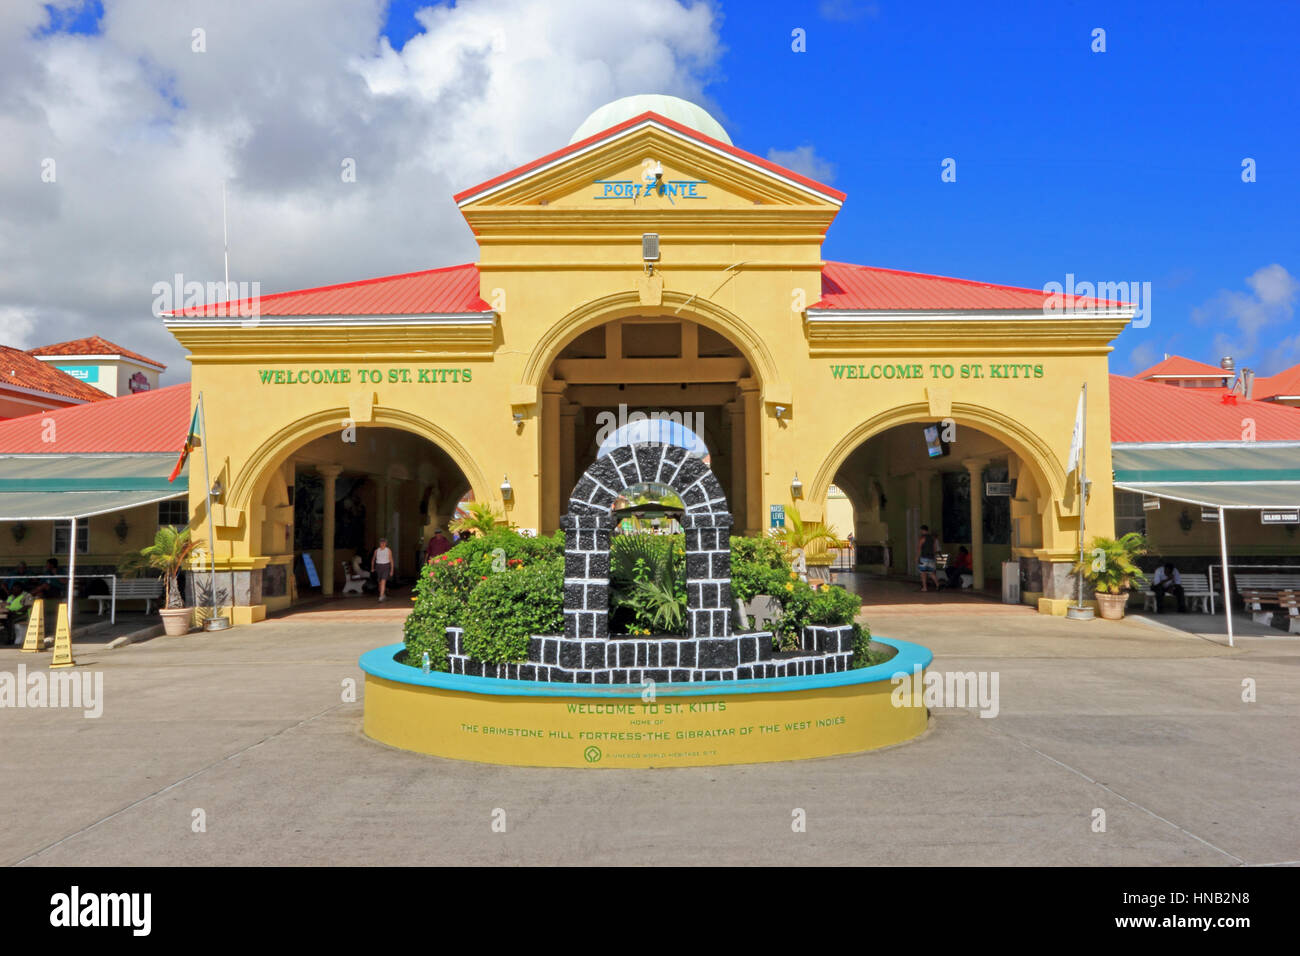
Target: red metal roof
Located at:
point(1176, 366)
point(1285, 382)
point(153, 421)
point(627, 124)
point(447, 291)
point(92, 345)
point(1152, 412)
point(20, 370)
point(854, 287)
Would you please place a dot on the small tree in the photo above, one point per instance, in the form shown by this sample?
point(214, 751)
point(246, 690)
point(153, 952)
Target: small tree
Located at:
point(1110, 565)
point(170, 548)
point(798, 535)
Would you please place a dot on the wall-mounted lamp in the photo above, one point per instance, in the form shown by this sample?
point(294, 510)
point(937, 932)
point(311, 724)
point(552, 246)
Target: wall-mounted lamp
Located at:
point(216, 488)
point(796, 487)
point(121, 529)
point(507, 493)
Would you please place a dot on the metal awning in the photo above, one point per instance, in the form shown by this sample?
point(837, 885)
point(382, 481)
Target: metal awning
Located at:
point(1222, 475)
point(1249, 475)
point(63, 487)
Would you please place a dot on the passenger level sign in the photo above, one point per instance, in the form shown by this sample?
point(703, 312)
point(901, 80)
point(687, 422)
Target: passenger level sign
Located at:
point(778, 516)
point(1291, 516)
point(1150, 504)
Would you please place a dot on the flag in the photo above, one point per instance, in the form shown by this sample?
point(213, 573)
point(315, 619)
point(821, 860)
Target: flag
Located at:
point(1076, 440)
point(191, 442)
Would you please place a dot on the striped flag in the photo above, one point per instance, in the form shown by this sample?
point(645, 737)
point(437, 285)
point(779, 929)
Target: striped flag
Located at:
point(191, 442)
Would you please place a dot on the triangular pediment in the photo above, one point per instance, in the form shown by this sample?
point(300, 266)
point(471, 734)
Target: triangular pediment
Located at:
point(615, 173)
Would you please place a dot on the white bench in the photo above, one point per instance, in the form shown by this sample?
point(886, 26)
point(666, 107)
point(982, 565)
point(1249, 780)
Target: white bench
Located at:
point(1256, 590)
point(1196, 589)
point(353, 582)
point(148, 590)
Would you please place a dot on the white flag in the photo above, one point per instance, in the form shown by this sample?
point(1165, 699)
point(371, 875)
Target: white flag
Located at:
point(1076, 439)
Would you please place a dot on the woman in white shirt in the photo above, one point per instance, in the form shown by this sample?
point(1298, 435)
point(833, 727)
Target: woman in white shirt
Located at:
point(381, 563)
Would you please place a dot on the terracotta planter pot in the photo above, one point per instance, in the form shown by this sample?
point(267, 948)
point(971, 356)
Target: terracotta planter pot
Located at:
point(176, 621)
point(1112, 606)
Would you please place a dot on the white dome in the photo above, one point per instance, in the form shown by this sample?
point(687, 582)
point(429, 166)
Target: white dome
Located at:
point(674, 108)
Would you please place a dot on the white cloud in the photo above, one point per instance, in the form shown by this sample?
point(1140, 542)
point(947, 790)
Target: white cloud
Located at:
point(804, 159)
point(142, 131)
point(1249, 321)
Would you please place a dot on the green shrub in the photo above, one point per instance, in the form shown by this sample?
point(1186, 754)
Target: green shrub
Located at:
point(832, 605)
point(504, 610)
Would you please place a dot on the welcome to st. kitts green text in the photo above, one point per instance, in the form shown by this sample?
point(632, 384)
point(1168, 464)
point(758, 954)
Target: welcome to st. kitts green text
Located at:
point(365, 376)
point(896, 370)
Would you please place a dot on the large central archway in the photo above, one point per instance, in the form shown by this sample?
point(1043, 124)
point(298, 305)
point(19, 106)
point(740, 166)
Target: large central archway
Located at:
point(685, 361)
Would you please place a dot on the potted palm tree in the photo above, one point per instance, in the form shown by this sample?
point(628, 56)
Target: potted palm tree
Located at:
point(797, 536)
point(168, 553)
point(1111, 568)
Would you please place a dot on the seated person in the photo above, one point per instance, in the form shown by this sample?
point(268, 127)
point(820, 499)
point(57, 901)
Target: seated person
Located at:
point(959, 565)
point(1167, 580)
point(51, 587)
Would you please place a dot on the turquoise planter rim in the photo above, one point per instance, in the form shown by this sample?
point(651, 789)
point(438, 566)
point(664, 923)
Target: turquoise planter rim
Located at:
point(380, 662)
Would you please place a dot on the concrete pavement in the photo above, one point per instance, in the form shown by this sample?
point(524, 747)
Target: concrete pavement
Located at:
point(249, 727)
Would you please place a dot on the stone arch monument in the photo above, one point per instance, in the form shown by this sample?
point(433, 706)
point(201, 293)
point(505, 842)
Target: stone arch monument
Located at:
point(590, 522)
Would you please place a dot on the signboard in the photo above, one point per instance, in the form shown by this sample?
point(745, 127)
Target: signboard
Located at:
point(778, 516)
point(1150, 504)
point(138, 382)
point(310, 565)
point(82, 373)
point(1285, 516)
point(1209, 514)
point(997, 489)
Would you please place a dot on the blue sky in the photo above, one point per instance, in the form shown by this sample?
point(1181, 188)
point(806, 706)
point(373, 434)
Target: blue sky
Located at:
point(1122, 165)
point(1115, 166)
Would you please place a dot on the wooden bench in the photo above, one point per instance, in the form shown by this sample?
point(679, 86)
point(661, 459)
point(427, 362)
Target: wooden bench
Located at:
point(1196, 589)
point(148, 590)
point(1256, 590)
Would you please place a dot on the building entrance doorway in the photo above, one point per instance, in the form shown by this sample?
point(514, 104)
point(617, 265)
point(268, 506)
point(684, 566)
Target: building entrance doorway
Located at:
point(664, 368)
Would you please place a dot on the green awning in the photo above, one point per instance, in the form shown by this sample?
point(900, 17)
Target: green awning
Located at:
point(62, 487)
point(1251, 475)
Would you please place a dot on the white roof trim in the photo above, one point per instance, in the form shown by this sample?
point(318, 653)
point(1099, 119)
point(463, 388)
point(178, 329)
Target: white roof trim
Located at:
point(172, 321)
point(505, 184)
point(23, 390)
point(101, 357)
point(905, 315)
point(1238, 445)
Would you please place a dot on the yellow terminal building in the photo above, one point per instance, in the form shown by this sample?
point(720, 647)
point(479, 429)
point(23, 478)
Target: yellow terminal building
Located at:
point(649, 266)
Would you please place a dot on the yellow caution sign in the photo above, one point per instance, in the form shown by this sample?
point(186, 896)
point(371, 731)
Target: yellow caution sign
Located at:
point(35, 639)
point(62, 640)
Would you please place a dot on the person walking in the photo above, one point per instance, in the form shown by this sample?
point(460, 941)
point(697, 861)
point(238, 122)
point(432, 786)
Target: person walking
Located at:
point(381, 565)
point(928, 546)
point(437, 545)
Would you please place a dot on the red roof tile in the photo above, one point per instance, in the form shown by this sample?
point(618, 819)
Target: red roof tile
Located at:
point(153, 421)
point(447, 291)
point(1285, 382)
point(854, 287)
point(1176, 366)
point(1152, 412)
point(627, 124)
point(92, 345)
point(20, 370)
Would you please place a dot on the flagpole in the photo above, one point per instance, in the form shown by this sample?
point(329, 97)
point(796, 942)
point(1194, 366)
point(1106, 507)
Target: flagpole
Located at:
point(1083, 486)
point(207, 484)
